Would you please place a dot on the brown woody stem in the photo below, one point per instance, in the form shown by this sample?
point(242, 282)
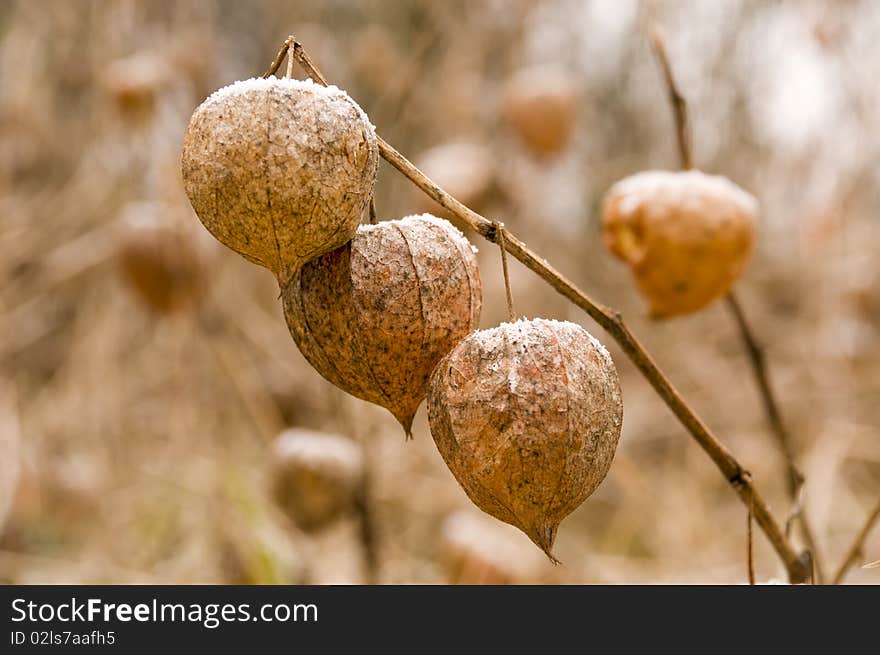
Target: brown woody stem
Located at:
point(794, 478)
point(676, 99)
point(511, 315)
point(612, 322)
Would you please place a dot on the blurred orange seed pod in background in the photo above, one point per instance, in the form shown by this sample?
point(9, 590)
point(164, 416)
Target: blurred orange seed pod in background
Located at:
point(280, 170)
point(315, 476)
point(161, 265)
point(687, 236)
point(376, 315)
point(133, 83)
point(527, 417)
point(541, 104)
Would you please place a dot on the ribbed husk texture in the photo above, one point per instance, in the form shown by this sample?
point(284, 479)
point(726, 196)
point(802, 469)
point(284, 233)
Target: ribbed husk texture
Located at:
point(280, 170)
point(376, 315)
point(527, 416)
point(687, 236)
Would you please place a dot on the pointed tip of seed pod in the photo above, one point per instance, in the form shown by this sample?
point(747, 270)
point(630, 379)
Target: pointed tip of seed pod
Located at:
point(406, 423)
point(544, 538)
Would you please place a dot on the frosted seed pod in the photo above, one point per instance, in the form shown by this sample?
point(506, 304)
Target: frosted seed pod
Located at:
point(280, 170)
point(540, 104)
point(375, 316)
point(316, 477)
point(527, 417)
point(160, 264)
point(687, 236)
point(462, 168)
point(478, 550)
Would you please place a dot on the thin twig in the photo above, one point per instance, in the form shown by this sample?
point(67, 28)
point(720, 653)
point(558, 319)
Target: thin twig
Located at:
point(368, 531)
point(750, 553)
point(679, 106)
point(856, 549)
point(794, 479)
point(612, 321)
point(756, 355)
point(511, 315)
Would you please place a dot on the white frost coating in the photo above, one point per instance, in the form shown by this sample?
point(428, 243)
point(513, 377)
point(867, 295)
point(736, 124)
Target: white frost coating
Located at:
point(314, 450)
point(681, 183)
point(264, 84)
point(414, 219)
point(490, 333)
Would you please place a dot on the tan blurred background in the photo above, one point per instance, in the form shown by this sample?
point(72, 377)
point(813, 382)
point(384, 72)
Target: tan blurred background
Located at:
point(136, 410)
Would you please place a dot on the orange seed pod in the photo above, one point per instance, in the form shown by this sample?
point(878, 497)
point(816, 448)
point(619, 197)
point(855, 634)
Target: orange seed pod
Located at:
point(687, 236)
point(527, 417)
point(376, 315)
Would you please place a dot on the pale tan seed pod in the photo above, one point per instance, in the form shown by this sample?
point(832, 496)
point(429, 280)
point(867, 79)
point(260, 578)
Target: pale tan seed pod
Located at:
point(527, 417)
point(465, 169)
point(134, 83)
point(280, 170)
point(541, 104)
point(375, 316)
point(476, 549)
point(316, 477)
point(161, 263)
point(687, 236)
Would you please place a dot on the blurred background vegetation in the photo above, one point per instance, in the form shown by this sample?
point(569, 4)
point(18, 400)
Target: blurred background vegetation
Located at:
point(145, 370)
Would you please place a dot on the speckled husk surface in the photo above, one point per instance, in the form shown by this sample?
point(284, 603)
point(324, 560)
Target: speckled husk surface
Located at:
point(280, 170)
point(527, 417)
point(687, 236)
point(376, 315)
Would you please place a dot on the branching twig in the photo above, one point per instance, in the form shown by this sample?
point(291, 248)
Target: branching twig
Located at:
point(750, 553)
point(676, 99)
point(855, 550)
point(795, 479)
point(607, 318)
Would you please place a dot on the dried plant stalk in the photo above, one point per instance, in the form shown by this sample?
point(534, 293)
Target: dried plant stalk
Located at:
point(527, 417)
point(280, 170)
point(375, 316)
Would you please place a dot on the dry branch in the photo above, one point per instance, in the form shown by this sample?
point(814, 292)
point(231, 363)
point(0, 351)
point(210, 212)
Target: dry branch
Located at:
point(609, 319)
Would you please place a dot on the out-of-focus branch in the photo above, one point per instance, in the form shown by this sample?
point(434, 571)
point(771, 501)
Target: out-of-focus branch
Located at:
point(855, 550)
point(609, 319)
point(795, 478)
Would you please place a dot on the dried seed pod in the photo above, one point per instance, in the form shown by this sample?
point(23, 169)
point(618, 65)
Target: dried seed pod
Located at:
point(687, 236)
point(464, 169)
point(478, 550)
point(316, 477)
point(540, 104)
point(527, 417)
point(133, 83)
point(375, 316)
point(280, 170)
point(162, 266)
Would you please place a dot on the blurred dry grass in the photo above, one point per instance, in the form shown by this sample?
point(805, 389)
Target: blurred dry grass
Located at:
point(133, 443)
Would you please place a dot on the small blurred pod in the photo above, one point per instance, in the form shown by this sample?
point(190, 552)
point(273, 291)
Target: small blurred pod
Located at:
point(465, 169)
point(134, 83)
point(478, 550)
point(162, 263)
point(541, 105)
point(316, 476)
